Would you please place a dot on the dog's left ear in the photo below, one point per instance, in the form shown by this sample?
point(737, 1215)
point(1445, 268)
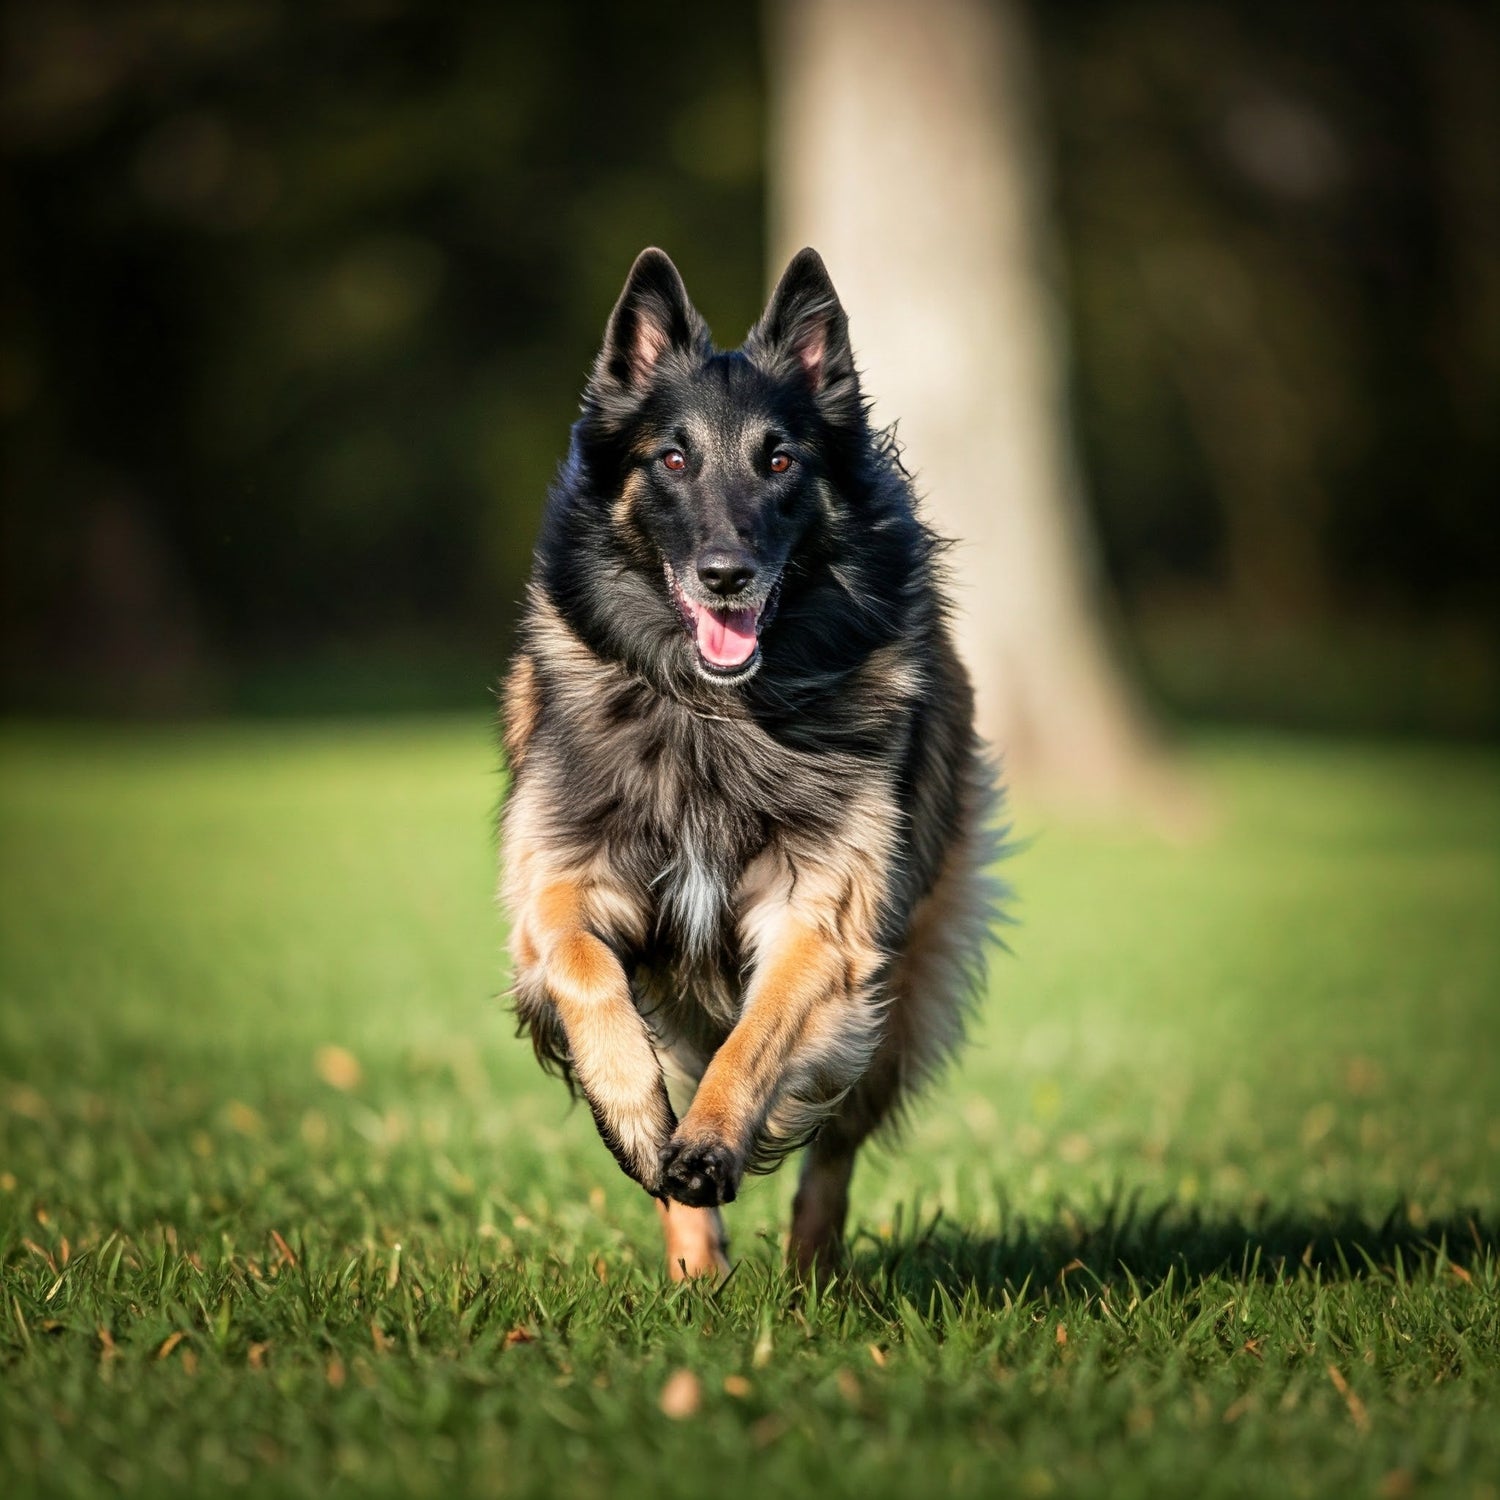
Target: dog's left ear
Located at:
point(806, 328)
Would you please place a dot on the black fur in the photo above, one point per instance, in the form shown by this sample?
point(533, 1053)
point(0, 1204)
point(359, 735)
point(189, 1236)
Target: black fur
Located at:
point(629, 750)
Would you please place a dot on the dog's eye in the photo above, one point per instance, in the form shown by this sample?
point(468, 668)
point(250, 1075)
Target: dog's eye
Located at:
point(780, 462)
point(672, 459)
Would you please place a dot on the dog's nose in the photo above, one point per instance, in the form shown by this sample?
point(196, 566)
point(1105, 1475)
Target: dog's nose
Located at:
point(726, 570)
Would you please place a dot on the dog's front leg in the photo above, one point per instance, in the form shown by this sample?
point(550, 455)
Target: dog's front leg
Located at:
point(563, 965)
point(807, 1028)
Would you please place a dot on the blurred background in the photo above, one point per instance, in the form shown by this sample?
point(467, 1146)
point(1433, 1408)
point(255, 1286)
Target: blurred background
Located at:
point(298, 301)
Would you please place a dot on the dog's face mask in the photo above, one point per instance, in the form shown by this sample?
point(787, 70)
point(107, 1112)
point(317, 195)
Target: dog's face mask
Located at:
point(720, 468)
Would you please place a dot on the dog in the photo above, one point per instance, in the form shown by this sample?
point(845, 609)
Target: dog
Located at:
point(749, 824)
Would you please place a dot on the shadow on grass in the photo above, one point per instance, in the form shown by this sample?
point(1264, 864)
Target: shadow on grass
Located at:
point(1127, 1245)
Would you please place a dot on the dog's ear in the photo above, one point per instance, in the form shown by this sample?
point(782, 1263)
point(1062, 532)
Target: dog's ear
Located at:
point(652, 317)
point(806, 329)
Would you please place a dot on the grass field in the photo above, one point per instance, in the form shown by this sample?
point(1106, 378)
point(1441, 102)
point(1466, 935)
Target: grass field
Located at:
point(1211, 1206)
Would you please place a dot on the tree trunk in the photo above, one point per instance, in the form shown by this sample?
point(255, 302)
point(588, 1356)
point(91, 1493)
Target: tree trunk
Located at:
point(903, 147)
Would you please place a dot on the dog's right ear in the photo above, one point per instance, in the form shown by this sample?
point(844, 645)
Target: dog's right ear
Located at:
point(652, 319)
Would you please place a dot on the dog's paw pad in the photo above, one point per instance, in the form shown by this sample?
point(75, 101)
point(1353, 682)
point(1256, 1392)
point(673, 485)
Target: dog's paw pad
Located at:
point(701, 1175)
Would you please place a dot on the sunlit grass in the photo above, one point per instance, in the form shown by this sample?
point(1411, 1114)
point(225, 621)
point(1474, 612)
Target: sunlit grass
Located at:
point(1211, 1205)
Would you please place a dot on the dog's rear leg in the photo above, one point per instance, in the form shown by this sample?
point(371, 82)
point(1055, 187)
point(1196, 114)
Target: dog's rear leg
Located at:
point(696, 1245)
point(821, 1205)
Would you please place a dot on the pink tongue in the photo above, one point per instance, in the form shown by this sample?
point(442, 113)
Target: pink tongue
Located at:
point(725, 637)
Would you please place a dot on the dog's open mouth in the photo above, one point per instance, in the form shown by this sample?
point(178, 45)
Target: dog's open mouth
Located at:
point(728, 639)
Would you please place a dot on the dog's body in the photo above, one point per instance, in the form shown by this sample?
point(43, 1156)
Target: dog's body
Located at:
point(749, 820)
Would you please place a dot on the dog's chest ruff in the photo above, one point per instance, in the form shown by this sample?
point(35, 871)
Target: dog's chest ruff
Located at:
point(693, 896)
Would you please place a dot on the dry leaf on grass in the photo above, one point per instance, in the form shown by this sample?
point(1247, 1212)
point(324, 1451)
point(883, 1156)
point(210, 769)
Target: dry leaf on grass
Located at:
point(337, 1067)
point(1357, 1412)
point(681, 1396)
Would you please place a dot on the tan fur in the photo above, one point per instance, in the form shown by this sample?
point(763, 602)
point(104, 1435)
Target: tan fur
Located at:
point(626, 501)
point(521, 710)
point(559, 961)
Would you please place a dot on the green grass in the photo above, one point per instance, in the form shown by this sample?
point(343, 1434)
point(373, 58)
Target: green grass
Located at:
point(1210, 1207)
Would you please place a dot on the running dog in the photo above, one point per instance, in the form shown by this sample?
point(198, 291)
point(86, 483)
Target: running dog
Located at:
point(749, 825)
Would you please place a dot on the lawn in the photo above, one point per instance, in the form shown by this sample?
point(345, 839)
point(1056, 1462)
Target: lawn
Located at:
point(1211, 1206)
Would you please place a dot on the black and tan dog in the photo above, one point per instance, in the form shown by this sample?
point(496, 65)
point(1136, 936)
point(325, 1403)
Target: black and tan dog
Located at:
point(749, 821)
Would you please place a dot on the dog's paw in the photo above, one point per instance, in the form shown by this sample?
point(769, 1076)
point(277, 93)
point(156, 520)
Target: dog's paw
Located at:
point(635, 1137)
point(702, 1174)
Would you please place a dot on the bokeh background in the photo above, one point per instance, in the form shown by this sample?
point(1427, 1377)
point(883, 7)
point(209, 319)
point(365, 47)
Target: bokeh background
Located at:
point(298, 301)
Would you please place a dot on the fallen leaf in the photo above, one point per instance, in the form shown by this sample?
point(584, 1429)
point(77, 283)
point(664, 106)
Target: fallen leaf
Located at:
point(337, 1067)
point(681, 1396)
point(1062, 1333)
point(335, 1373)
point(519, 1336)
point(736, 1386)
point(878, 1355)
point(1462, 1274)
point(45, 1255)
point(284, 1250)
point(1357, 1412)
point(255, 1356)
point(242, 1118)
point(169, 1343)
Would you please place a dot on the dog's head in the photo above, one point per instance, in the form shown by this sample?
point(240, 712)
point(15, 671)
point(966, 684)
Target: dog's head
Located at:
point(707, 489)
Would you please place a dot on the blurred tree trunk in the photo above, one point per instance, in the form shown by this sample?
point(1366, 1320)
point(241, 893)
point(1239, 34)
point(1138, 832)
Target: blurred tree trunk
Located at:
point(904, 148)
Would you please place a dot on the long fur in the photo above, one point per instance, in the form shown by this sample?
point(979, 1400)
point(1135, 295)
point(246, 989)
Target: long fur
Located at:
point(792, 867)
